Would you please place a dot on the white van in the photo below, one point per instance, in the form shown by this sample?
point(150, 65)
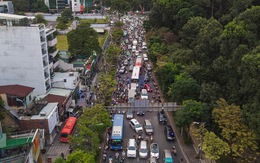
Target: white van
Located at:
point(144, 94)
point(131, 95)
point(131, 148)
point(145, 57)
point(134, 48)
point(143, 150)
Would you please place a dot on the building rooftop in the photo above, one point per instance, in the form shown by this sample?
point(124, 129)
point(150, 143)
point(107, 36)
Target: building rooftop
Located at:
point(11, 16)
point(55, 98)
point(66, 80)
point(45, 112)
point(16, 90)
point(59, 92)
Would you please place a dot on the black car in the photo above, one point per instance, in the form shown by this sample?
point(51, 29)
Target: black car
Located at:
point(161, 117)
point(169, 134)
point(140, 113)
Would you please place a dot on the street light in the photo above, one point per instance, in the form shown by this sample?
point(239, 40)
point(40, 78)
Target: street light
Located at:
point(201, 139)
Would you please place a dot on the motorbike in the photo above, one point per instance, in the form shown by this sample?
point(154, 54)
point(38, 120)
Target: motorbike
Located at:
point(104, 156)
point(174, 151)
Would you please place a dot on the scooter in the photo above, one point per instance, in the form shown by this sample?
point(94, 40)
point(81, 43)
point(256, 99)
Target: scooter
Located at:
point(174, 151)
point(104, 157)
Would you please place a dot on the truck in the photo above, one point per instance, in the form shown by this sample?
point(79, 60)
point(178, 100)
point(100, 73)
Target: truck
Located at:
point(134, 42)
point(131, 95)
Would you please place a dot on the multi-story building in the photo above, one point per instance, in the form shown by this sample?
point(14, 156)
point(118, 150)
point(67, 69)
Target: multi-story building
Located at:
point(28, 53)
point(57, 5)
point(6, 7)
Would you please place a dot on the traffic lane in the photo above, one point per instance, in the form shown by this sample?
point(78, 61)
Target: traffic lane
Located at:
point(159, 137)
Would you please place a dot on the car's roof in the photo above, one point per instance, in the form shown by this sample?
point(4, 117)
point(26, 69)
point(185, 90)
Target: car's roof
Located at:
point(134, 121)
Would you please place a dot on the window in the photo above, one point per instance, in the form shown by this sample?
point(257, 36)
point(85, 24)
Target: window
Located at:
point(30, 98)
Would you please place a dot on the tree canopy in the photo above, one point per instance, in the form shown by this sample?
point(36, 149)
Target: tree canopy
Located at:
point(83, 41)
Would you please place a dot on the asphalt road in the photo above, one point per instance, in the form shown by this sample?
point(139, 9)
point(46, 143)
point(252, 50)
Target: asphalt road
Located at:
point(159, 137)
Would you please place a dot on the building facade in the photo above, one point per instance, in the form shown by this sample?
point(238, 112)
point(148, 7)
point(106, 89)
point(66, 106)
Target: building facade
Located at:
point(24, 56)
point(6, 7)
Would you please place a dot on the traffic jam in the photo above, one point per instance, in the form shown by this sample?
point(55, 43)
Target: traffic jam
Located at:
point(136, 135)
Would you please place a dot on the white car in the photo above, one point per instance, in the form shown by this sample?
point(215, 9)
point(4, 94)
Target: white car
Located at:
point(122, 70)
point(144, 94)
point(154, 150)
point(131, 148)
point(143, 149)
point(136, 125)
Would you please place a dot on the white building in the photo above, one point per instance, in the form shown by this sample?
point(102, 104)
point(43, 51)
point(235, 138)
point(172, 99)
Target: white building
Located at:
point(24, 56)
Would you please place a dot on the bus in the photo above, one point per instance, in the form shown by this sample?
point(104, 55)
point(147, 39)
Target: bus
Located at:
point(68, 129)
point(138, 61)
point(116, 140)
point(135, 74)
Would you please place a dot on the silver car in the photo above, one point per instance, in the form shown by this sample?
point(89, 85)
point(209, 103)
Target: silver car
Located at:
point(154, 150)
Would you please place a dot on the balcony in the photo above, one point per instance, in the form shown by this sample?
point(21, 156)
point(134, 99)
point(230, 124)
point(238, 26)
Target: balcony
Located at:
point(44, 51)
point(55, 65)
point(46, 75)
point(52, 42)
point(45, 63)
point(42, 39)
point(47, 86)
point(53, 51)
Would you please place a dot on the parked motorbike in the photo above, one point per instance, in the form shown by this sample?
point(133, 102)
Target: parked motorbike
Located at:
point(110, 159)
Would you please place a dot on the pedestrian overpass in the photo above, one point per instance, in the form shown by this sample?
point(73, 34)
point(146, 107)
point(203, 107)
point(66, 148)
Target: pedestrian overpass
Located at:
point(144, 105)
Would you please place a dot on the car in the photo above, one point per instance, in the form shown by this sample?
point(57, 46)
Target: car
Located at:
point(131, 148)
point(131, 62)
point(136, 52)
point(167, 156)
point(144, 47)
point(152, 160)
point(149, 67)
point(140, 112)
point(131, 67)
point(136, 125)
point(148, 87)
point(129, 47)
point(143, 149)
point(125, 62)
point(122, 70)
point(161, 117)
point(146, 78)
point(148, 127)
point(144, 94)
point(154, 150)
point(129, 114)
point(169, 134)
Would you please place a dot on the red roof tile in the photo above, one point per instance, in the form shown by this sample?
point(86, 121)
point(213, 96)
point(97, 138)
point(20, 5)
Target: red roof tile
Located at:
point(16, 90)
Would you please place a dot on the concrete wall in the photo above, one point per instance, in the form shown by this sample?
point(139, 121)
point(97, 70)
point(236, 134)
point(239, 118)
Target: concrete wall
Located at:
point(21, 59)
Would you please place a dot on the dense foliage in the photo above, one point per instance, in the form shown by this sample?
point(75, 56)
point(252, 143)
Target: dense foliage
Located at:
point(30, 6)
point(83, 41)
point(205, 51)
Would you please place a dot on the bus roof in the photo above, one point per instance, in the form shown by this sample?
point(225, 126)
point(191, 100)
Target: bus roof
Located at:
point(138, 61)
point(70, 123)
point(136, 71)
point(117, 130)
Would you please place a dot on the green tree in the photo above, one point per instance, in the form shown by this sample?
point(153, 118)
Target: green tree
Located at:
point(90, 128)
point(167, 73)
point(213, 146)
point(79, 156)
point(21, 5)
point(112, 54)
point(184, 88)
point(117, 35)
point(39, 19)
point(191, 111)
point(120, 6)
point(67, 14)
point(233, 130)
point(59, 160)
point(39, 6)
point(83, 41)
